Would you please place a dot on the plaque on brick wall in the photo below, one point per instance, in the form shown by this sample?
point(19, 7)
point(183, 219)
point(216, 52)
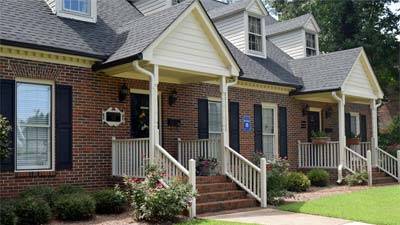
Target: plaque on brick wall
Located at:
point(113, 117)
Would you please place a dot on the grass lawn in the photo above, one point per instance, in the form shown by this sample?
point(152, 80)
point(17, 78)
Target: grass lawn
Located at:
point(212, 222)
point(376, 206)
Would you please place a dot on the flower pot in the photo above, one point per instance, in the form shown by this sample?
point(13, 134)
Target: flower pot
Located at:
point(320, 140)
point(353, 141)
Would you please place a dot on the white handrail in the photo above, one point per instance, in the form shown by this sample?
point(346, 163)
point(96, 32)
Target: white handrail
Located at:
point(161, 154)
point(243, 159)
point(388, 163)
point(354, 162)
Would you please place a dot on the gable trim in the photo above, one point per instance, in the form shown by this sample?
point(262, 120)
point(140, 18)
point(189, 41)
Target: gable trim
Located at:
point(259, 4)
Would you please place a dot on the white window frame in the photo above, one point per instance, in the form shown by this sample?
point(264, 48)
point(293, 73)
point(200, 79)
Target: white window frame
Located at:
point(357, 116)
point(248, 51)
point(315, 42)
point(274, 107)
point(52, 121)
point(218, 101)
point(86, 17)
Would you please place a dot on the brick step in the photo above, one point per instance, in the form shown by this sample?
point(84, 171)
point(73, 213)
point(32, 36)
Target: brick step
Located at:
point(383, 180)
point(219, 206)
point(220, 196)
point(211, 179)
point(216, 187)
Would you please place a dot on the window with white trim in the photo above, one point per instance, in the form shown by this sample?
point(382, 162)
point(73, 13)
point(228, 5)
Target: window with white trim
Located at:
point(269, 130)
point(355, 123)
point(214, 119)
point(255, 34)
point(311, 45)
point(33, 126)
point(84, 10)
point(77, 6)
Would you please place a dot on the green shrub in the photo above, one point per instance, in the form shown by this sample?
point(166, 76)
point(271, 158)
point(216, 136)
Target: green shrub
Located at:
point(277, 181)
point(77, 206)
point(69, 189)
point(318, 177)
point(32, 211)
point(109, 201)
point(42, 192)
point(7, 213)
point(151, 201)
point(359, 178)
point(392, 136)
point(297, 182)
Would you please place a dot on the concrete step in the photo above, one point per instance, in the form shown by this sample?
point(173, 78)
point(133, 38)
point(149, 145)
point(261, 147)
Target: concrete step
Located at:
point(221, 196)
point(219, 206)
point(216, 187)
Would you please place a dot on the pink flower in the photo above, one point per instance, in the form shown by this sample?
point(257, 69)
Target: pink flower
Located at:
point(164, 175)
point(160, 185)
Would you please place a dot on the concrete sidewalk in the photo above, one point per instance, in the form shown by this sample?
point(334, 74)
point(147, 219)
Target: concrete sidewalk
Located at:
point(276, 217)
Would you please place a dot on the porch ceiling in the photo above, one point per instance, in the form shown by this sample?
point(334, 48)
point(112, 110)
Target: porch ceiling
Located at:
point(327, 97)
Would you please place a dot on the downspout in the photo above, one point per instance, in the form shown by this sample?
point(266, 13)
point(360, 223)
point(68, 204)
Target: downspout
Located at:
point(341, 156)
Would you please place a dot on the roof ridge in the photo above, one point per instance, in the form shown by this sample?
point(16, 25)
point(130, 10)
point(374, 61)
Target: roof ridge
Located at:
point(327, 54)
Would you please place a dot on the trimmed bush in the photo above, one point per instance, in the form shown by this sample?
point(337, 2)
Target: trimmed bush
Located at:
point(66, 189)
point(109, 201)
point(77, 206)
point(7, 213)
point(297, 182)
point(318, 177)
point(359, 178)
point(32, 211)
point(42, 192)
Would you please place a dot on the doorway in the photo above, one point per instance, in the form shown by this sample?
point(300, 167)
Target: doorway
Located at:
point(313, 123)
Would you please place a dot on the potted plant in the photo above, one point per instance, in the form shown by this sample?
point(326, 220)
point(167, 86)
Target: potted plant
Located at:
point(319, 137)
point(206, 166)
point(353, 139)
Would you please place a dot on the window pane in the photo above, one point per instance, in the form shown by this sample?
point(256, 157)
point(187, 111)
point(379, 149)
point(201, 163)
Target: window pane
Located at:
point(268, 146)
point(255, 43)
point(311, 52)
point(268, 121)
point(33, 126)
point(254, 25)
point(77, 5)
point(353, 124)
point(310, 40)
point(214, 117)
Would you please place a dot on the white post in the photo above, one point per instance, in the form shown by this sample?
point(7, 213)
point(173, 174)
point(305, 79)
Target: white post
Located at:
point(263, 180)
point(153, 117)
point(225, 123)
point(398, 166)
point(369, 167)
point(374, 139)
point(192, 181)
point(342, 133)
point(180, 151)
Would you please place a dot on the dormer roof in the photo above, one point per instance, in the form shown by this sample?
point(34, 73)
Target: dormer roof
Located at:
point(228, 9)
point(292, 24)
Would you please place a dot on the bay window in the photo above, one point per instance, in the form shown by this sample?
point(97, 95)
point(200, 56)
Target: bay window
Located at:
point(214, 119)
point(33, 126)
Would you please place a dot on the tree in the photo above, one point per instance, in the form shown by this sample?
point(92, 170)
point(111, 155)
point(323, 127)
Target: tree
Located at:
point(352, 23)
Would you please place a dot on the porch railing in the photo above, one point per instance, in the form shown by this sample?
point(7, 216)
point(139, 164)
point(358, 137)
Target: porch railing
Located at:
point(193, 149)
point(389, 164)
point(354, 162)
point(247, 175)
point(318, 155)
point(129, 157)
point(361, 148)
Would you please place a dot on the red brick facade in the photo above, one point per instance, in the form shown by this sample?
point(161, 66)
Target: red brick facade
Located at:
point(94, 92)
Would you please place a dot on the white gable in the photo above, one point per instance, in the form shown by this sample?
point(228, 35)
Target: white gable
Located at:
point(254, 7)
point(312, 25)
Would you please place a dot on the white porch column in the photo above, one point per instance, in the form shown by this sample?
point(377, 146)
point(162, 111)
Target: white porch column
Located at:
point(374, 138)
point(342, 131)
point(153, 117)
point(225, 121)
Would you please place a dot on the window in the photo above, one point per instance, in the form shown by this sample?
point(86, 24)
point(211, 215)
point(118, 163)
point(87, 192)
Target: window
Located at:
point(214, 119)
point(255, 34)
point(33, 126)
point(355, 123)
point(269, 130)
point(174, 2)
point(78, 6)
point(311, 45)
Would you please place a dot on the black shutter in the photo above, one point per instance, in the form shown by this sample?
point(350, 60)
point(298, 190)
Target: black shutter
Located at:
point(203, 118)
point(283, 151)
point(363, 128)
point(347, 120)
point(258, 128)
point(7, 109)
point(63, 127)
point(234, 128)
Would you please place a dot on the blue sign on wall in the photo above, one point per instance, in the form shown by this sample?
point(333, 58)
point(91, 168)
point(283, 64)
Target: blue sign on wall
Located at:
point(246, 123)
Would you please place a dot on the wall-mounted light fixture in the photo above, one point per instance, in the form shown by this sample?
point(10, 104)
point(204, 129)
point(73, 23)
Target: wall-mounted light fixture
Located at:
point(305, 109)
point(328, 112)
point(173, 97)
point(123, 92)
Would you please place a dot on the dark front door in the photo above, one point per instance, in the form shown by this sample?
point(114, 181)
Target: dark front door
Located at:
point(312, 123)
point(140, 115)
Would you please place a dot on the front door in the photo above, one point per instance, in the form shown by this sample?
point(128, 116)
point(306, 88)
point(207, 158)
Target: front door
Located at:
point(140, 115)
point(312, 123)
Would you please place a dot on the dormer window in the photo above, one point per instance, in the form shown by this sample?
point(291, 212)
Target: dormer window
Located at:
point(311, 45)
point(255, 34)
point(84, 10)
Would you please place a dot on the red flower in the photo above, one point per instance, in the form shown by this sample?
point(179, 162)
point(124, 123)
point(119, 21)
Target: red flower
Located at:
point(160, 185)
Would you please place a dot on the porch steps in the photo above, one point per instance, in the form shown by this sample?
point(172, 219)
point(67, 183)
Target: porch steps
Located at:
point(218, 193)
point(380, 178)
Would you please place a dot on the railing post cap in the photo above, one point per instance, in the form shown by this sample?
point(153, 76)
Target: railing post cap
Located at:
point(113, 138)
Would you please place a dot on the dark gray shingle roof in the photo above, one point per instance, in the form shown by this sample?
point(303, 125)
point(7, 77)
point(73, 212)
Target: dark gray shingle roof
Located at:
point(32, 22)
point(212, 4)
point(228, 9)
point(287, 25)
point(326, 71)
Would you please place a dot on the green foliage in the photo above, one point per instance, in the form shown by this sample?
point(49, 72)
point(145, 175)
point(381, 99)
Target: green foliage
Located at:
point(353, 135)
point(359, 178)
point(5, 130)
point(7, 213)
point(318, 177)
point(32, 211)
point(297, 182)
point(348, 24)
point(206, 166)
point(110, 201)
point(77, 206)
point(69, 189)
point(392, 136)
point(277, 181)
point(319, 133)
point(152, 201)
point(42, 192)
